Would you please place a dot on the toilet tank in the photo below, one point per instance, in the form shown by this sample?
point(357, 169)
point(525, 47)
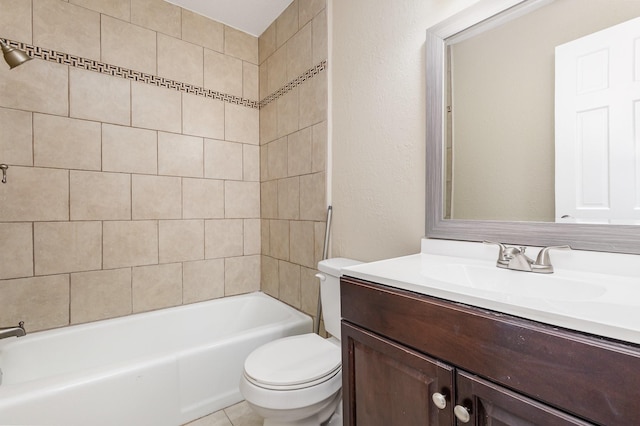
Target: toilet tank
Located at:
point(330, 272)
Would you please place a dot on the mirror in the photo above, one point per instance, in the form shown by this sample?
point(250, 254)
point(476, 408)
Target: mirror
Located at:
point(468, 66)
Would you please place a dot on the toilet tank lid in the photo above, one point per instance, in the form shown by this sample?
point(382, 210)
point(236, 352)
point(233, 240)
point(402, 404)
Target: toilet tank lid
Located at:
point(334, 265)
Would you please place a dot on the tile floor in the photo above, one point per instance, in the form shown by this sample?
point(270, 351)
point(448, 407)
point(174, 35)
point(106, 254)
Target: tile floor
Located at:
point(236, 415)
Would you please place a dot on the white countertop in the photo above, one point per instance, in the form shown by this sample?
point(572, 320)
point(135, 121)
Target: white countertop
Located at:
point(603, 299)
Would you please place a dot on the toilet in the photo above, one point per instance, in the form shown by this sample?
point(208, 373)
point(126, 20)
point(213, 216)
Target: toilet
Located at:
point(297, 380)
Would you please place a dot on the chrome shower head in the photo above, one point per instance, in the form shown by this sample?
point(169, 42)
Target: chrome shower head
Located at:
point(13, 56)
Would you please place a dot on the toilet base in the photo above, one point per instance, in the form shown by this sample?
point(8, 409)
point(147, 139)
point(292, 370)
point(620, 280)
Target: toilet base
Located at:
point(321, 418)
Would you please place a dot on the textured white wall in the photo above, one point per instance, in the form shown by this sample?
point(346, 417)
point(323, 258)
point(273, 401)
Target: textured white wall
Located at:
point(378, 110)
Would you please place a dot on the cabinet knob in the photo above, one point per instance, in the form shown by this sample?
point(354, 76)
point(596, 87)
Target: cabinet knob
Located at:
point(462, 413)
point(439, 400)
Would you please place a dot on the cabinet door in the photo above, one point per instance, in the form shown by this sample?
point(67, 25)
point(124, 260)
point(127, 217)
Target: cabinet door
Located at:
point(492, 405)
point(387, 384)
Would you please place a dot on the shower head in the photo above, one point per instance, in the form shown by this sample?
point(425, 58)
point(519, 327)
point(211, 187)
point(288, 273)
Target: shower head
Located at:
point(13, 56)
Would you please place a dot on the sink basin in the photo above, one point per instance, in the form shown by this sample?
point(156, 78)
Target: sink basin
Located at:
point(592, 292)
point(489, 278)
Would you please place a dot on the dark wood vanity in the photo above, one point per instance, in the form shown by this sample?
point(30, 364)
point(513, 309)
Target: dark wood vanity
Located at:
point(406, 353)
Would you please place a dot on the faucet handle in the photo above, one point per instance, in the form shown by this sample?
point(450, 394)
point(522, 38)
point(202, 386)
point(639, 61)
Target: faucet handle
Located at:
point(543, 258)
point(501, 249)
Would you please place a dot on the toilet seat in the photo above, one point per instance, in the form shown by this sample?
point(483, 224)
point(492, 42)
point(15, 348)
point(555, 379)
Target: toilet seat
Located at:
point(294, 362)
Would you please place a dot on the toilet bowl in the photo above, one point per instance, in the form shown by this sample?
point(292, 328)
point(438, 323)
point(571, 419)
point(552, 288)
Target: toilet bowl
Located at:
point(297, 380)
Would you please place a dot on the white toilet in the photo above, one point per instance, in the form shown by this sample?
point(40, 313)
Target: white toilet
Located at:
point(298, 380)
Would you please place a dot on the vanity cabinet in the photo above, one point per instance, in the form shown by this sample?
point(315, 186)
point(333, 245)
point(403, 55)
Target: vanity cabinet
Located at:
point(405, 354)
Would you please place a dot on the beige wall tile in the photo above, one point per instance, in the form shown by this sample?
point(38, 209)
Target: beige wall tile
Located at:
point(299, 53)
point(16, 258)
point(41, 302)
point(66, 143)
point(15, 20)
point(202, 116)
point(309, 291)
point(99, 97)
point(319, 229)
point(157, 15)
point(242, 275)
point(156, 108)
point(289, 276)
point(222, 73)
point(268, 123)
point(120, 9)
point(16, 146)
point(312, 196)
point(222, 160)
point(302, 243)
point(100, 196)
point(202, 199)
point(129, 243)
point(279, 239)
point(250, 163)
point(240, 45)
point(180, 60)
point(313, 100)
point(264, 171)
point(67, 28)
point(250, 81)
point(156, 197)
point(289, 198)
point(202, 31)
point(299, 152)
point(264, 234)
point(223, 238)
point(320, 38)
point(181, 240)
point(156, 287)
point(263, 79)
point(241, 199)
point(287, 23)
point(66, 247)
point(202, 280)
point(310, 8)
point(99, 295)
point(269, 199)
point(128, 45)
point(288, 111)
point(267, 43)
point(277, 70)
point(34, 194)
point(252, 237)
point(129, 150)
point(180, 155)
point(270, 281)
point(40, 87)
point(319, 147)
point(277, 158)
point(241, 124)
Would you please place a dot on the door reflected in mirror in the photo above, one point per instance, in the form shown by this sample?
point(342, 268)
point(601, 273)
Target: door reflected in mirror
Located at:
point(537, 129)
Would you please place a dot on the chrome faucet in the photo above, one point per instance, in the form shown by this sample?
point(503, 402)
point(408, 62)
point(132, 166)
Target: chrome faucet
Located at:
point(515, 258)
point(13, 331)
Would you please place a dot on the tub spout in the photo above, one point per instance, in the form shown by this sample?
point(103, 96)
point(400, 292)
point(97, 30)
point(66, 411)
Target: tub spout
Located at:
point(13, 331)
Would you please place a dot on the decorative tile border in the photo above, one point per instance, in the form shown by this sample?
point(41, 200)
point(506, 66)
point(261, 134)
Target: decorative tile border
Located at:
point(310, 73)
point(116, 71)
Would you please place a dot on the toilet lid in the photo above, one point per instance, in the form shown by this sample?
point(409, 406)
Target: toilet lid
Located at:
point(293, 361)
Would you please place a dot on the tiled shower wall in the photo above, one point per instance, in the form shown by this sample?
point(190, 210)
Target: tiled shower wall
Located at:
point(126, 194)
point(293, 141)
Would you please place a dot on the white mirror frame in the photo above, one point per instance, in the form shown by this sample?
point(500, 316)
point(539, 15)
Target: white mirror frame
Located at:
point(607, 238)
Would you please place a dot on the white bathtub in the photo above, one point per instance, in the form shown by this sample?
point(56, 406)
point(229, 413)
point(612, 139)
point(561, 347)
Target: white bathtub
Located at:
point(166, 367)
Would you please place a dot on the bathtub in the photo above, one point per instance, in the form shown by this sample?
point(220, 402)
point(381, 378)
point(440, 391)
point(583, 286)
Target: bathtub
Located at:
point(166, 367)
